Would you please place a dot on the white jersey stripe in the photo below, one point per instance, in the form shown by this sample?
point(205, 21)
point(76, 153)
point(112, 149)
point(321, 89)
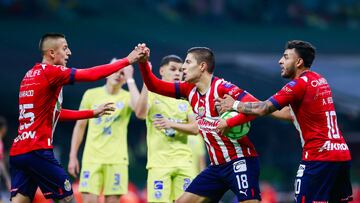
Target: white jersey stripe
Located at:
point(212, 150)
point(237, 148)
point(297, 126)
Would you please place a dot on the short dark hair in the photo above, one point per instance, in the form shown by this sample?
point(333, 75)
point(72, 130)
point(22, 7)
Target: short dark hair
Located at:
point(304, 49)
point(170, 58)
point(3, 122)
point(204, 54)
point(51, 35)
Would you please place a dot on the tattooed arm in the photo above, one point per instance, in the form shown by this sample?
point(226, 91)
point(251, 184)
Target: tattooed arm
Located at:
point(260, 108)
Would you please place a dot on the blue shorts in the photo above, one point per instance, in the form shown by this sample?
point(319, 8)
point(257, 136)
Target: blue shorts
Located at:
point(240, 175)
point(39, 169)
point(319, 181)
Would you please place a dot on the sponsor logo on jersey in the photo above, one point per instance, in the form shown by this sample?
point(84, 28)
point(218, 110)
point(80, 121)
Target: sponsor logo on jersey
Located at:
point(329, 146)
point(86, 174)
point(300, 171)
point(239, 166)
point(292, 83)
point(32, 73)
point(318, 82)
point(227, 85)
point(25, 135)
point(67, 185)
point(207, 124)
point(157, 194)
point(120, 105)
point(182, 107)
point(27, 93)
point(158, 185)
point(187, 182)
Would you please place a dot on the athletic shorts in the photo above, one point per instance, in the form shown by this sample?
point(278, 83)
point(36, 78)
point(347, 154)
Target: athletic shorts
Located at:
point(168, 184)
point(319, 181)
point(240, 175)
point(39, 169)
point(106, 179)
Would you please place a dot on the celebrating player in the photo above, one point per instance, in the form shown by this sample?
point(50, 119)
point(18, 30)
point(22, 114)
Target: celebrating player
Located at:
point(169, 121)
point(234, 162)
point(324, 172)
point(31, 157)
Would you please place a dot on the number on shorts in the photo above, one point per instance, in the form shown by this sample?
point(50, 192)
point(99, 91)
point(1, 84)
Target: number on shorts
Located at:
point(242, 181)
point(297, 186)
point(116, 179)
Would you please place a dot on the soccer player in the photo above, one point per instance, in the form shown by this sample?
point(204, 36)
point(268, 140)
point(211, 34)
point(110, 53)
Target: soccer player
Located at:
point(234, 162)
point(169, 123)
point(324, 171)
point(32, 162)
point(105, 159)
point(3, 171)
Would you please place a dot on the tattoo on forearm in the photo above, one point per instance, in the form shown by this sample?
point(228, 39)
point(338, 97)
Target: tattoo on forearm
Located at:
point(257, 108)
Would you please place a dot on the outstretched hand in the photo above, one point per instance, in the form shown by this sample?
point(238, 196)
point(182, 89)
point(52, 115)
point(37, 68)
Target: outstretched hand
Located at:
point(138, 53)
point(104, 109)
point(224, 104)
point(73, 167)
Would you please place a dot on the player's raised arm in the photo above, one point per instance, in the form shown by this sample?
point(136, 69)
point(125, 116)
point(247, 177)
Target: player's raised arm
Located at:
point(102, 71)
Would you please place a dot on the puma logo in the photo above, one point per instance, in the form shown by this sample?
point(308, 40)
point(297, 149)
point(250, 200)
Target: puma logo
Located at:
point(242, 192)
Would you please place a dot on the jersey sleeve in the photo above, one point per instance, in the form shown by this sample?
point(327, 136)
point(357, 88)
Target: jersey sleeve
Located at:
point(59, 75)
point(232, 90)
point(176, 90)
point(290, 93)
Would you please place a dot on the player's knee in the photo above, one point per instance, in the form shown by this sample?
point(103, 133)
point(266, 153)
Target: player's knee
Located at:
point(68, 198)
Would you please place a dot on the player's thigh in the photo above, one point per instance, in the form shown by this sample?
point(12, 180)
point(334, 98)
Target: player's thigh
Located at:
point(342, 190)
point(116, 179)
point(89, 198)
point(208, 185)
point(91, 178)
point(315, 180)
point(242, 176)
point(181, 180)
point(159, 184)
point(48, 174)
point(22, 182)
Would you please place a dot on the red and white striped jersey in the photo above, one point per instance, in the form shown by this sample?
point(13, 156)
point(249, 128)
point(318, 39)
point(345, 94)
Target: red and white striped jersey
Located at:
point(313, 110)
point(221, 149)
point(40, 100)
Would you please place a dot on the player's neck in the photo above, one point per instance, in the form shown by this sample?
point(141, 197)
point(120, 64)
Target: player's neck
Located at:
point(112, 89)
point(47, 61)
point(300, 72)
point(204, 83)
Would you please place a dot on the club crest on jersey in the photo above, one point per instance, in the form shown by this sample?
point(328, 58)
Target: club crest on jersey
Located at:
point(182, 107)
point(239, 166)
point(201, 112)
point(67, 185)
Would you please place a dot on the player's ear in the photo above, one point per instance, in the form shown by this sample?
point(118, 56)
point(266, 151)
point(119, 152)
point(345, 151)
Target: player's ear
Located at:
point(161, 70)
point(51, 53)
point(299, 62)
point(203, 66)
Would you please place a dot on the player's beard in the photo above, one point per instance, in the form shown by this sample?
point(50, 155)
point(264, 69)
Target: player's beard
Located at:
point(288, 72)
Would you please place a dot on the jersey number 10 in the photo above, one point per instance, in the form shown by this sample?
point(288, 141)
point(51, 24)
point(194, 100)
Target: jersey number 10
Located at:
point(332, 125)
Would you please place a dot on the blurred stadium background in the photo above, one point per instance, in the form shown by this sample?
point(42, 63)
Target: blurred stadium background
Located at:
point(247, 37)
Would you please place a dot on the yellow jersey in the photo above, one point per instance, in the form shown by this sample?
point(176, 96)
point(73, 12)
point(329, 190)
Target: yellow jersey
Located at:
point(164, 149)
point(106, 140)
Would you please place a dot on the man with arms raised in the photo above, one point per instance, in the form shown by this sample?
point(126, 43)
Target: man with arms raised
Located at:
point(31, 157)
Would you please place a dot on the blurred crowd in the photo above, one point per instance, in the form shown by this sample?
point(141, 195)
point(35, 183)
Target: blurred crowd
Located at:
point(308, 13)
